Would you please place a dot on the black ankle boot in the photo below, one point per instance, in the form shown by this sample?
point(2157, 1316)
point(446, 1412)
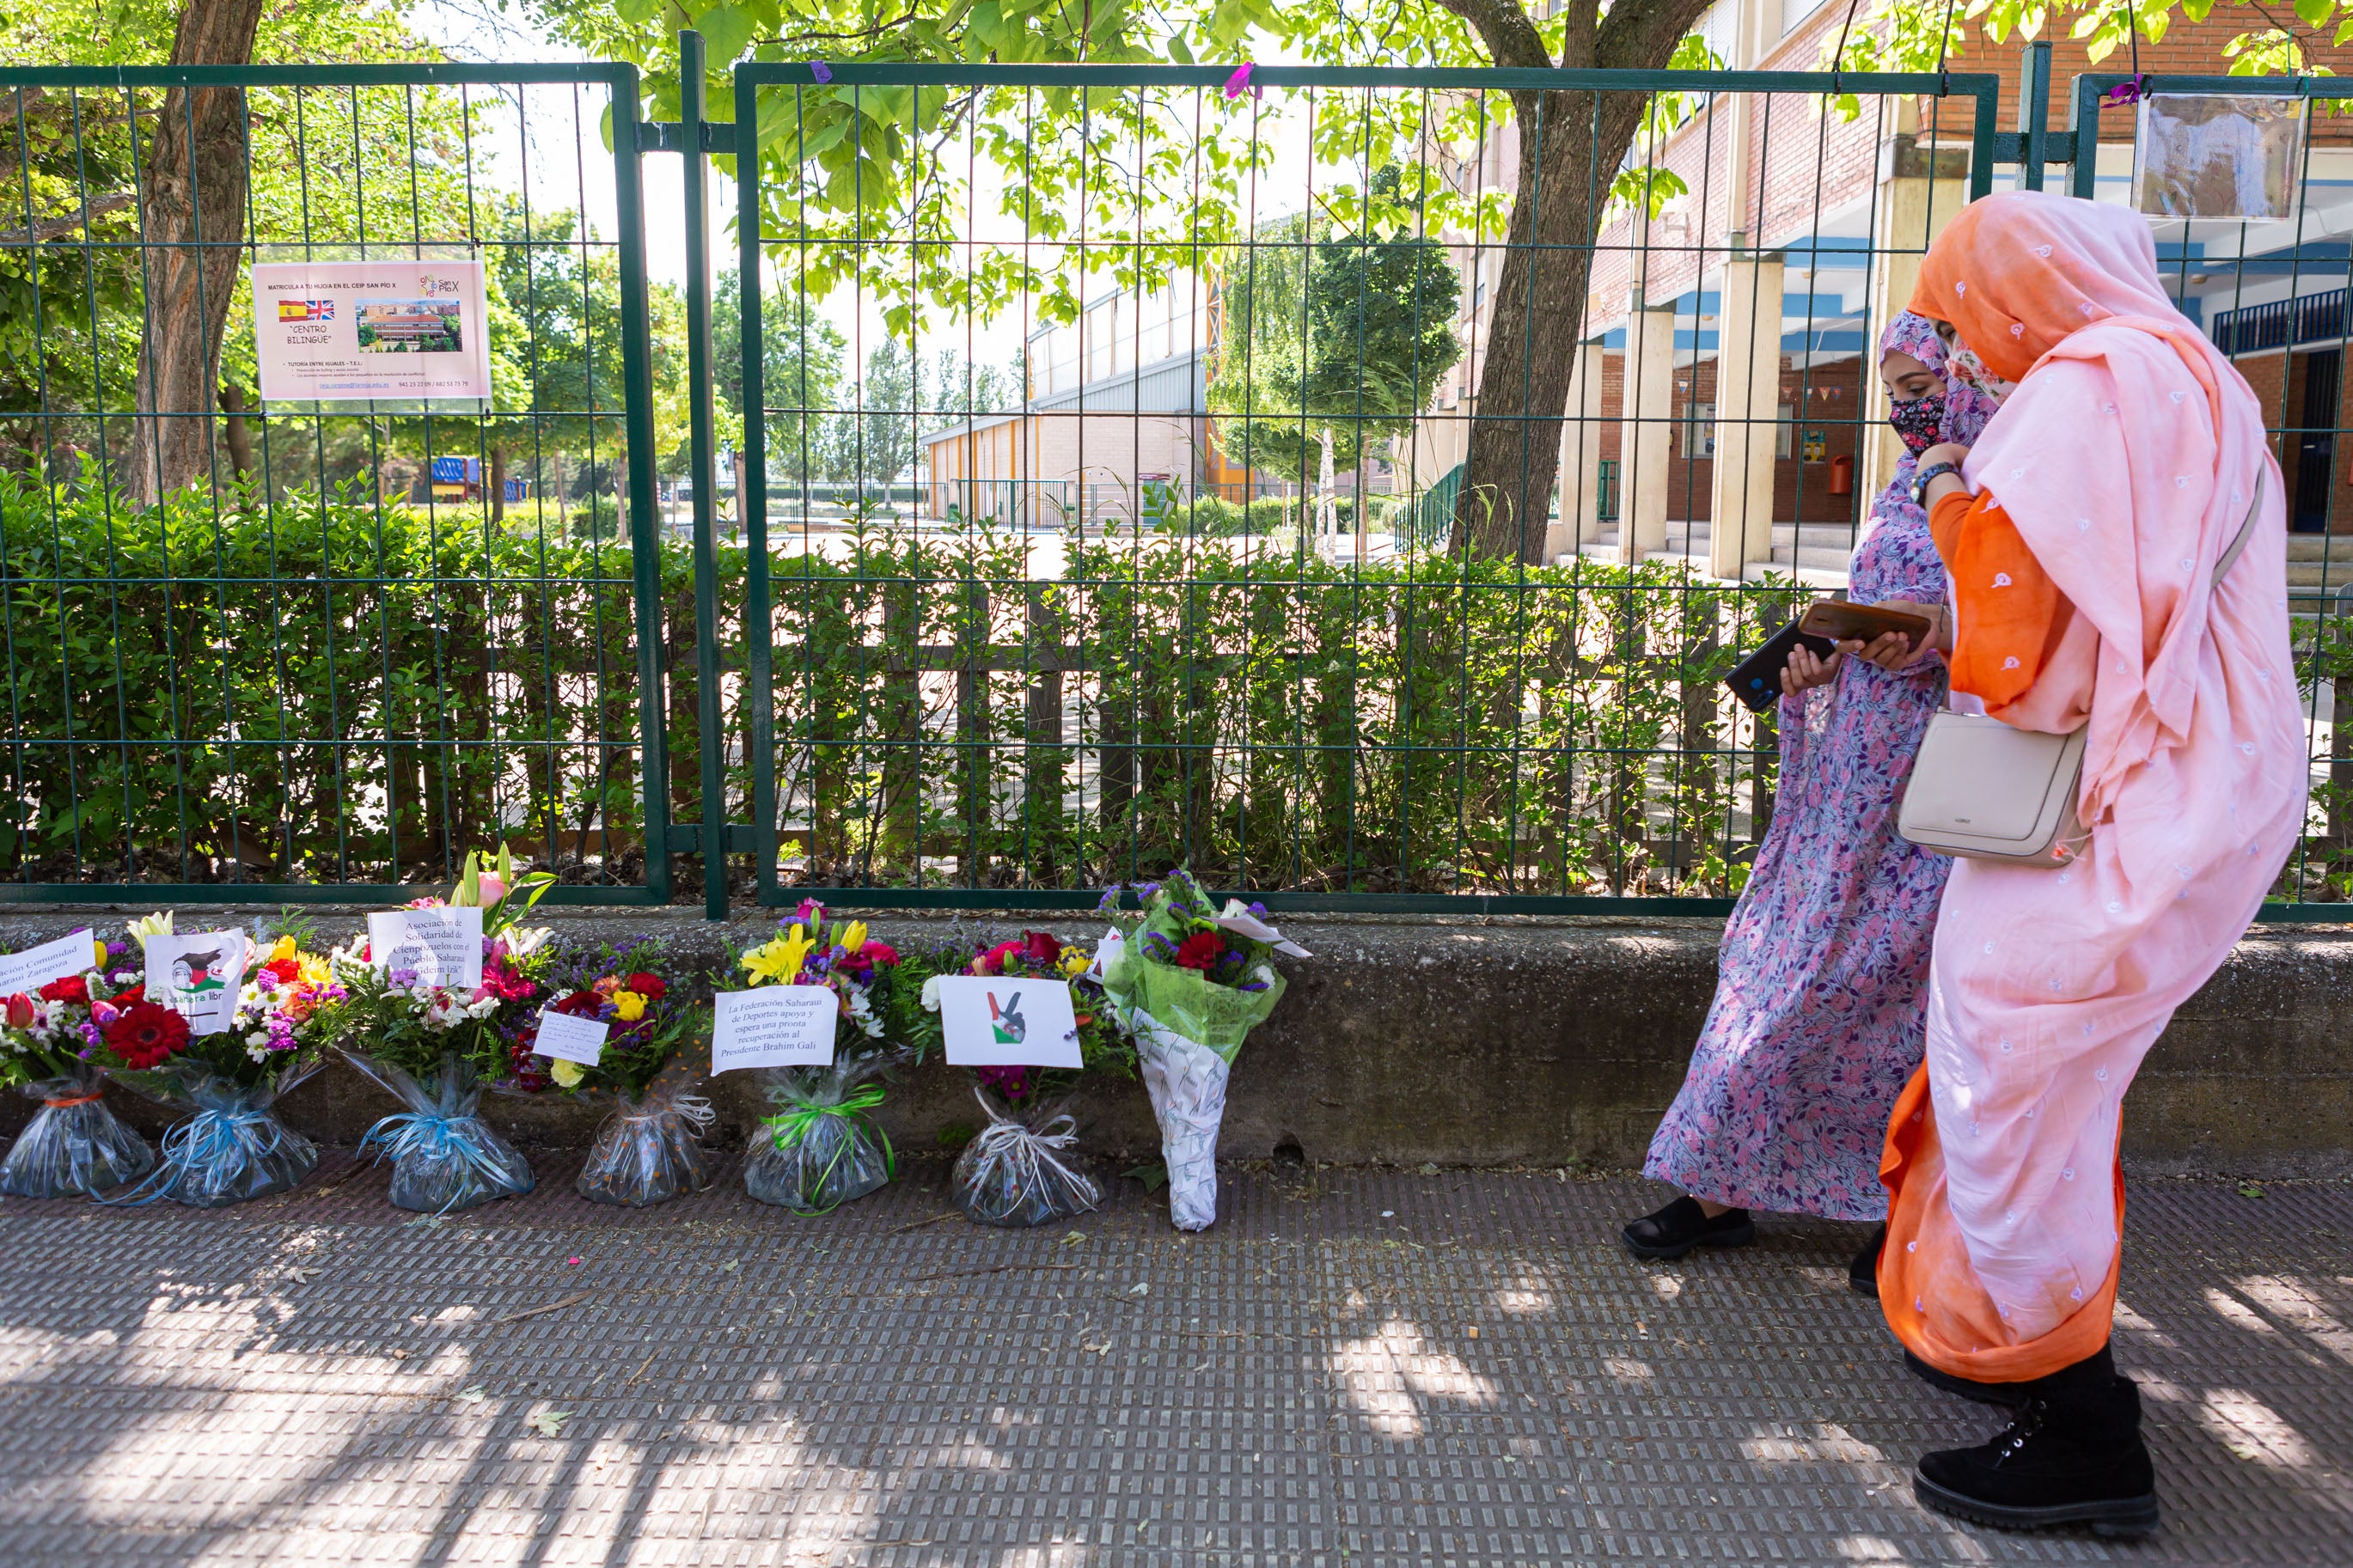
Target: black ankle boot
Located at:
point(1684, 1224)
point(1864, 1272)
point(2071, 1455)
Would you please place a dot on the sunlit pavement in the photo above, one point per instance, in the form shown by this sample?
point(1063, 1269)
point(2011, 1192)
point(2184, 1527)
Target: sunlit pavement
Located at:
point(1445, 1367)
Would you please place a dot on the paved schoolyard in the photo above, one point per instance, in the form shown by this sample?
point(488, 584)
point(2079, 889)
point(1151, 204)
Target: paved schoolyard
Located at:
point(1354, 1368)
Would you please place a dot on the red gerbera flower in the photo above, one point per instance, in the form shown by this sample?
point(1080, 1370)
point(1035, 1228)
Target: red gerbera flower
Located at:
point(147, 1036)
point(285, 971)
point(130, 996)
point(652, 987)
point(1200, 950)
point(72, 988)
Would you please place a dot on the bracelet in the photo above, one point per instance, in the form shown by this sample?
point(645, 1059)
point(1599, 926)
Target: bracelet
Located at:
point(1921, 481)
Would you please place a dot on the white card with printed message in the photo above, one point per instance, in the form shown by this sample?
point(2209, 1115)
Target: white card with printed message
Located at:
point(570, 1039)
point(443, 944)
point(993, 1022)
point(29, 971)
point(197, 975)
point(774, 1027)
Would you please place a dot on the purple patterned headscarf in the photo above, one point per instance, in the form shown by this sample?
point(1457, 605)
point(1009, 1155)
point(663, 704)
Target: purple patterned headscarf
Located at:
point(1966, 408)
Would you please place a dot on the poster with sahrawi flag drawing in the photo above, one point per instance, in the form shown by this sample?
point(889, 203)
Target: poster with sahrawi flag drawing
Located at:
point(331, 332)
point(994, 1022)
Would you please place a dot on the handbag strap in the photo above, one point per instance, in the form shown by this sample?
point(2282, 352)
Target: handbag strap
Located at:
point(2246, 532)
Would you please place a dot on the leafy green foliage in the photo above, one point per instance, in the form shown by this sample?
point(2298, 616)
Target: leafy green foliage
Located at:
point(1330, 332)
point(1916, 34)
point(322, 691)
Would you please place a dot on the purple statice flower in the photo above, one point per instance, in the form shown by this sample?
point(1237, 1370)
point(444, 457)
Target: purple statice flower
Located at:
point(266, 982)
point(89, 1034)
point(401, 979)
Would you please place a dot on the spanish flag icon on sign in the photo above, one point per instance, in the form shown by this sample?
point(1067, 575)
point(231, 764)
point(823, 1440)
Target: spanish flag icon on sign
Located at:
point(306, 310)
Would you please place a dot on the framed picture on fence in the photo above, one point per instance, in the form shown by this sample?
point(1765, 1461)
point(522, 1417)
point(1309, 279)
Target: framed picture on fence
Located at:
point(2217, 155)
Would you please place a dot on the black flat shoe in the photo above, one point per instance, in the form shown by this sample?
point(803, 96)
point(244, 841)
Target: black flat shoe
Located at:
point(1863, 1274)
point(2007, 1395)
point(1684, 1224)
point(2071, 1455)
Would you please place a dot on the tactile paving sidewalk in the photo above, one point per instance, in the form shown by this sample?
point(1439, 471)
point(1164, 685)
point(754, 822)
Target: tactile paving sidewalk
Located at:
point(1352, 1369)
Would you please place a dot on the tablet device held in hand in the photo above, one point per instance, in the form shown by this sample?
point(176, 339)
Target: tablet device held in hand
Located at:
point(1839, 621)
point(1757, 680)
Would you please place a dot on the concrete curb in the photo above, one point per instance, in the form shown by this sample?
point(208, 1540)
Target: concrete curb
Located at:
point(1474, 1042)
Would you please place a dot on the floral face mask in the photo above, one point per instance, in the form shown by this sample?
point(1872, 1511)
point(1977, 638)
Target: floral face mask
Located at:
point(1918, 421)
point(1964, 366)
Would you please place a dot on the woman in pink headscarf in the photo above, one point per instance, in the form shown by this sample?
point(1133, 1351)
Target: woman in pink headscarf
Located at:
point(2081, 538)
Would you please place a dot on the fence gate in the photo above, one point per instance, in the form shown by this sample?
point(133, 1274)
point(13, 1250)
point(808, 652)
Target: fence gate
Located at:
point(358, 637)
point(1191, 379)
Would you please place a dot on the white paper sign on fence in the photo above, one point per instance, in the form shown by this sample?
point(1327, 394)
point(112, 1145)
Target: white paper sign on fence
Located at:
point(570, 1039)
point(327, 332)
point(29, 971)
point(774, 1027)
point(197, 975)
point(442, 946)
point(991, 1022)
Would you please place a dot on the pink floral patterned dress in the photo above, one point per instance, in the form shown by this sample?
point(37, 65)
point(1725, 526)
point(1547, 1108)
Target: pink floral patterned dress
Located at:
point(1822, 981)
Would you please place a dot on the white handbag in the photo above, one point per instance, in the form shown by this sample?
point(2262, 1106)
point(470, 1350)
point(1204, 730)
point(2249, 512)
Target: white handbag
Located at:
point(1984, 790)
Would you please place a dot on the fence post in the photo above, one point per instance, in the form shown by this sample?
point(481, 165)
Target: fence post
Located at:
point(2034, 111)
point(1044, 775)
point(704, 470)
point(973, 769)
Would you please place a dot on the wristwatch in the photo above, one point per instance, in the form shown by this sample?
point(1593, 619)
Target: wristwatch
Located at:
point(1921, 480)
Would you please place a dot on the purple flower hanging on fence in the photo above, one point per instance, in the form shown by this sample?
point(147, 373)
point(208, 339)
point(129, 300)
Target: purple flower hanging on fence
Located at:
point(2130, 90)
point(822, 72)
point(1240, 79)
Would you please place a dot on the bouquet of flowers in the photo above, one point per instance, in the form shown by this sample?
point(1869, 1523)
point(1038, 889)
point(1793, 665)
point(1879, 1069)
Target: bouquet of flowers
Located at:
point(234, 1147)
point(650, 1149)
point(822, 1147)
point(50, 1048)
point(1188, 982)
point(1017, 1171)
point(435, 1047)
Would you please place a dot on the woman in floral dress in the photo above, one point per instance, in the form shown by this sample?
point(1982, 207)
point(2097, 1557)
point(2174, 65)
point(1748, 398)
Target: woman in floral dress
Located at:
point(1821, 992)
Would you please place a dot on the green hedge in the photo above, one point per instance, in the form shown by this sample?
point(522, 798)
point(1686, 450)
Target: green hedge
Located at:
point(328, 690)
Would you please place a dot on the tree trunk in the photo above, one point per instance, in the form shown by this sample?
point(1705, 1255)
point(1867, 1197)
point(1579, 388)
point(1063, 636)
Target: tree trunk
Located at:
point(1571, 144)
point(192, 204)
point(240, 443)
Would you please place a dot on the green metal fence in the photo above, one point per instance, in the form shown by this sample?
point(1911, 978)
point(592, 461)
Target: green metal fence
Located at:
point(1089, 471)
point(315, 671)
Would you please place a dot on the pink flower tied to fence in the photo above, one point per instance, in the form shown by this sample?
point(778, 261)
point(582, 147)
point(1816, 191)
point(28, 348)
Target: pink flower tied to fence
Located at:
point(822, 72)
point(2131, 90)
point(1240, 79)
